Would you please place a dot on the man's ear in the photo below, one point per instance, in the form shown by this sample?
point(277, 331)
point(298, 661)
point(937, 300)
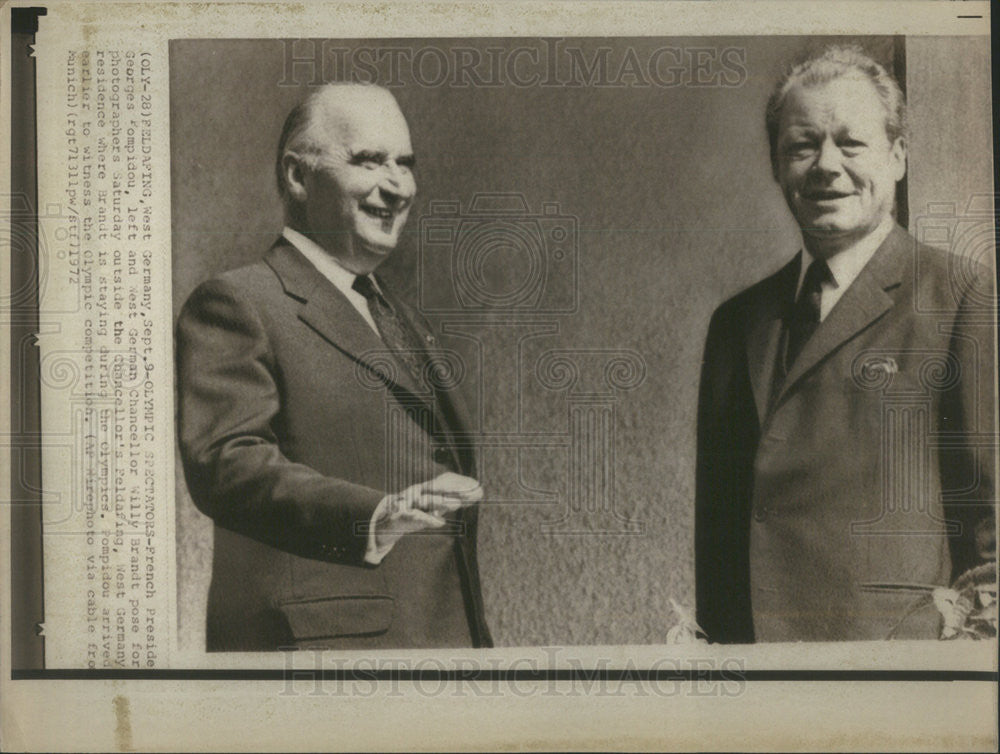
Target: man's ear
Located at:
point(293, 168)
point(898, 155)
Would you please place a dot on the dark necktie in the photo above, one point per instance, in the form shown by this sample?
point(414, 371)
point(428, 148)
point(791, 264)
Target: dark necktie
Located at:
point(405, 343)
point(396, 333)
point(804, 317)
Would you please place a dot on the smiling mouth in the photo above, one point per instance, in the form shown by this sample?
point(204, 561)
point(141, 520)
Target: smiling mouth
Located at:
point(380, 213)
point(825, 196)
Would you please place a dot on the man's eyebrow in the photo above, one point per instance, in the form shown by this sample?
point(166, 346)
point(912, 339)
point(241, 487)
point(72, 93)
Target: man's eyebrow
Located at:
point(380, 155)
point(798, 131)
point(362, 155)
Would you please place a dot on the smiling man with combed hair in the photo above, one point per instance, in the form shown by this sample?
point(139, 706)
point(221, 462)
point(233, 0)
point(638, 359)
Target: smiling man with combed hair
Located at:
point(315, 426)
point(846, 412)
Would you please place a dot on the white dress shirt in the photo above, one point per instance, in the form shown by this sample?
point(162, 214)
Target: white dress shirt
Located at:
point(845, 266)
point(333, 271)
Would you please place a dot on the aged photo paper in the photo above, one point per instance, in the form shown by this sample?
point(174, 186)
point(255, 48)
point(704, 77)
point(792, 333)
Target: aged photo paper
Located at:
point(538, 376)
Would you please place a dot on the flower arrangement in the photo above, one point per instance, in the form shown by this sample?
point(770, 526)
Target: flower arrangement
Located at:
point(686, 630)
point(968, 607)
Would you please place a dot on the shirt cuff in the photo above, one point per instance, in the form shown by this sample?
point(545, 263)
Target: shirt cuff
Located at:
point(373, 554)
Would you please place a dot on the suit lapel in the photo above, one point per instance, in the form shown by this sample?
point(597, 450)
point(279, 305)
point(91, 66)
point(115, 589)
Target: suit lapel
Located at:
point(764, 327)
point(327, 311)
point(865, 301)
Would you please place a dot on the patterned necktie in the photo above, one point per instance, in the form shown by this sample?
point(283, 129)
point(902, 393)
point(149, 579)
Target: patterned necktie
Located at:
point(396, 333)
point(805, 314)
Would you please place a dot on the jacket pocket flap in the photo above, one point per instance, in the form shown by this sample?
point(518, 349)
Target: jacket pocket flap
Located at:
point(338, 616)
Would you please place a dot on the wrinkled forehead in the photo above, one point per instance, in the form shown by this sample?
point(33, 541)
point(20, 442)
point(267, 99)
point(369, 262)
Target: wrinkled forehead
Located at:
point(845, 100)
point(361, 118)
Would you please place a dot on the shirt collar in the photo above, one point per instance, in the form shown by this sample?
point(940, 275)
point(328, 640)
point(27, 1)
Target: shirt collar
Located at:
point(321, 259)
point(846, 265)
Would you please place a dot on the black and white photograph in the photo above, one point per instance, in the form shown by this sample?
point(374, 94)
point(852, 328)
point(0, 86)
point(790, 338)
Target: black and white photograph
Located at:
point(509, 375)
point(575, 341)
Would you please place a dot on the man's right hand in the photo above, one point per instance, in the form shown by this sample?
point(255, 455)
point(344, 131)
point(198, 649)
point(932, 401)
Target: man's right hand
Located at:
point(419, 507)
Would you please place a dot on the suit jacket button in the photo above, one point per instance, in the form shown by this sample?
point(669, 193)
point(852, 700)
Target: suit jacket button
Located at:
point(760, 513)
point(442, 455)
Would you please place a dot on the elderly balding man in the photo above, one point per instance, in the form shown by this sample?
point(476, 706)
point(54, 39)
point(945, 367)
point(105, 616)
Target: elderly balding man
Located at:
point(317, 425)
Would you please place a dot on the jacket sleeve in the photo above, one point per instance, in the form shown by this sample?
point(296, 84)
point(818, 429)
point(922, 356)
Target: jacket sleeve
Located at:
point(228, 403)
point(967, 429)
point(727, 439)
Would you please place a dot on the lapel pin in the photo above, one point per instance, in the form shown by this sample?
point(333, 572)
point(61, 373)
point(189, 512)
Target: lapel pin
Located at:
point(885, 364)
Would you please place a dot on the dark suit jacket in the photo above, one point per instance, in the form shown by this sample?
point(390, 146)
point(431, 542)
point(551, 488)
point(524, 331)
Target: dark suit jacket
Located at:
point(868, 466)
point(294, 422)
